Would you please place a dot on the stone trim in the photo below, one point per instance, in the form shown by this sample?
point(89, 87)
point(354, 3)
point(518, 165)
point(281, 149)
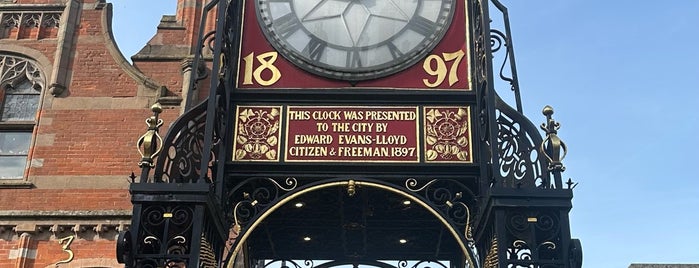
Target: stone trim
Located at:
point(79, 181)
point(15, 184)
point(48, 225)
point(63, 214)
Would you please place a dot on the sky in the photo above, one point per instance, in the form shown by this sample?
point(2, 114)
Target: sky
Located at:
point(623, 78)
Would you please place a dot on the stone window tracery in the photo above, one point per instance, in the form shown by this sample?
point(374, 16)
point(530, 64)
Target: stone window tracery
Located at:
point(21, 83)
point(29, 24)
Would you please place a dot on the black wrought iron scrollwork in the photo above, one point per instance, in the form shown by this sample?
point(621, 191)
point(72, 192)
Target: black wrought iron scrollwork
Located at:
point(520, 162)
point(169, 232)
point(284, 263)
point(165, 231)
point(509, 136)
point(421, 264)
point(482, 66)
point(452, 198)
point(266, 192)
point(499, 40)
point(502, 39)
point(534, 237)
point(182, 148)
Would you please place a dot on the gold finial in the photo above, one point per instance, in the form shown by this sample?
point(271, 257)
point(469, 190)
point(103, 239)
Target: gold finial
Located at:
point(548, 110)
point(157, 108)
point(551, 146)
point(150, 143)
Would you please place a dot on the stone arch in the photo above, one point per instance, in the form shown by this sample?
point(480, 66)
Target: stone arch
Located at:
point(15, 68)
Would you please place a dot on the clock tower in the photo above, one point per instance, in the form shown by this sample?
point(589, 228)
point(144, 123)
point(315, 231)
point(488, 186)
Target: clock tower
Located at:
point(353, 132)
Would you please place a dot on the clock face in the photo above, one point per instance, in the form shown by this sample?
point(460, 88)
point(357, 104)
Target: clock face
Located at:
point(354, 40)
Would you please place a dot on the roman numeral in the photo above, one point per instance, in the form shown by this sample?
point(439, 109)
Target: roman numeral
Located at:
point(422, 26)
point(315, 48)
point(353, 60)
point(286, 25)
point(393, 49)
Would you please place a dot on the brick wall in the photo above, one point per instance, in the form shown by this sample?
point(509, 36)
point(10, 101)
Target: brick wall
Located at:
point(84, 146)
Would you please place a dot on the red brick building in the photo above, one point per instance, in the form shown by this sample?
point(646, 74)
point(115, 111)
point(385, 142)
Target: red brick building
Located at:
point(72, 110)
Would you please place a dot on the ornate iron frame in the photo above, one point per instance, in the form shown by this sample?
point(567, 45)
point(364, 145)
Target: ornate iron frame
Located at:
point(517, 216)
point(448, 200)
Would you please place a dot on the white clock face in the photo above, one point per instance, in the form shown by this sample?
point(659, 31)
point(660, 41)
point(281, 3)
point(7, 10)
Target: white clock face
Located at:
point(354, 39)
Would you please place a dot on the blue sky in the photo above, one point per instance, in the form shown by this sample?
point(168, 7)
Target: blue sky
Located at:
point(623, 78)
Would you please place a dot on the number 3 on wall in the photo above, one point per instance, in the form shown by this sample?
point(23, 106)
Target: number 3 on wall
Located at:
point(436, 66)
point(266, 61)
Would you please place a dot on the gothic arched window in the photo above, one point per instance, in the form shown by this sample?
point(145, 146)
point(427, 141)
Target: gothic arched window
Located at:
point(21, 83)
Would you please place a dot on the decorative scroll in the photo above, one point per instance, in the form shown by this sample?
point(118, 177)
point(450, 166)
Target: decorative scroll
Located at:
point(183, 148)
point(164, 232)
point(421, 264)
point(355, 263)
point(520, 162)
point(180, 160)
point(257, 133)
point(166, 237)
point(453, 199)
point(534, 237)
point(448, 134)
point(285, 264)
point(266, 192)
point(507, 75)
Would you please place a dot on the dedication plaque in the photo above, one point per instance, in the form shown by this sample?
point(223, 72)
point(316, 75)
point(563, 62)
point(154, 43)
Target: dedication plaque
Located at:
point(372, 134)
point(352, 134)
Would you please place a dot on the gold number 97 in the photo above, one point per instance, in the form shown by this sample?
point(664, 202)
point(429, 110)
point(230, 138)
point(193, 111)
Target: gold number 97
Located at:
point(436, 66)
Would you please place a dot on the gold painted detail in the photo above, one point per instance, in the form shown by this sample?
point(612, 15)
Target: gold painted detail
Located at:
point(436, 66)
point(150, 143)
point(167, 215)
point(206, 254)
point(447, 134)
point(257, 135)
point(65, 245)
point(519, 244)
point(532, 219)
point(413, 185)
point(491, 260)
point(351, 188)
point(550, 245)
point(265, 65)
point(467, 229)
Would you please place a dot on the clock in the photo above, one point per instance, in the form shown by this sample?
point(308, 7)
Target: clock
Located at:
point(354, 40)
